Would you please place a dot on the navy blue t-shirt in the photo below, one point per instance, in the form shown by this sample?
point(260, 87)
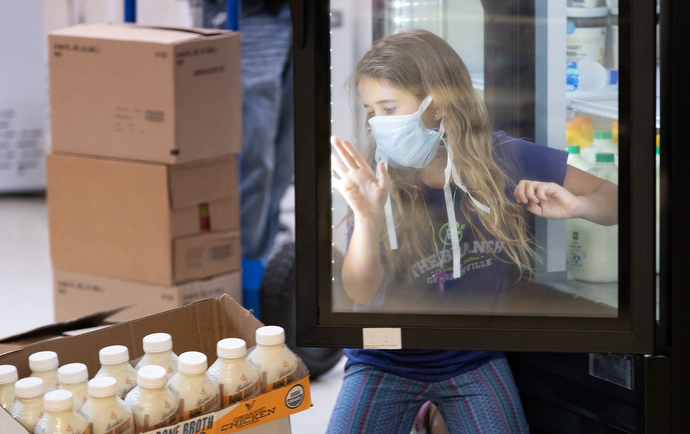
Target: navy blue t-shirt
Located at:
point(483, 286)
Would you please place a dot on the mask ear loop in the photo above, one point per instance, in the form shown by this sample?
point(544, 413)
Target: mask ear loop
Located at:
point(387, 208)
point(450, 206)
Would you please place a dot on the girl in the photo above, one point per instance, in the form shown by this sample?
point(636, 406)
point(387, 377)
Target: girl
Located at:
point(440, 167)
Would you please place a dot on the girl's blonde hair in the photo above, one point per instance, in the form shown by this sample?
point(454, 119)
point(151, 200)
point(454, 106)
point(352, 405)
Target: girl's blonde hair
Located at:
point(423, 64)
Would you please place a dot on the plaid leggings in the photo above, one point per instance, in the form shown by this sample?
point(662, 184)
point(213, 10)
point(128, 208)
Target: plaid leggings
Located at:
point(482, 401)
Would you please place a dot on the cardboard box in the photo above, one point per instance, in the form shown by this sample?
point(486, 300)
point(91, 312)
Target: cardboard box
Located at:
point(140, 221)
point(76, 295)
point(196, 327)
point(145, 93)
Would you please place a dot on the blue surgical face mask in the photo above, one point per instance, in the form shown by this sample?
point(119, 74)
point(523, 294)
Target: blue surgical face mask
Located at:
point(404, 139)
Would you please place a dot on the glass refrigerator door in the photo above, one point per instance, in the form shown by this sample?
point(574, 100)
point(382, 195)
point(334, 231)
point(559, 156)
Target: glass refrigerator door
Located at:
point(546, 111)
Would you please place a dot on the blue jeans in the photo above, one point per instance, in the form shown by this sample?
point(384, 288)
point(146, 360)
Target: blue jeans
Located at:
point(266, 164)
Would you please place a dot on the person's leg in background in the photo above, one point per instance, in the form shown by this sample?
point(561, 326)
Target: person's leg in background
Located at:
point(265, 164)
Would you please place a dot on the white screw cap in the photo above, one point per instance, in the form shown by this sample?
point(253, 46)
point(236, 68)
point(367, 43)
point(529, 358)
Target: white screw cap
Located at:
point(73, 373)
point(43, 361)
point(151, 377)
point(113, 355)
point(157, 343)
point(192, 362)
point(58, 400)
point(101, 387)
point(270, 335)
point(8, 374)
point(29, 387)
point(231, 348)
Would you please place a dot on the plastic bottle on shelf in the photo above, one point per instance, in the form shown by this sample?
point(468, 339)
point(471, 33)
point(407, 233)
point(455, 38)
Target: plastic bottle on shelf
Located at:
point(105, 412)
point(74, 377)
point(60, 417)
point(28, 406)
point(152, 404)
point(237, 379)
point(115, 363)
point(8, 377)
point(592, 252)
point(276, 363)
point(574, 135)
point(585, 123)
point(588, 76)
point(196, 393)
point(602, 143)
point(158, 351)
point(614, 132)
point(44, 365)
point(575, 160)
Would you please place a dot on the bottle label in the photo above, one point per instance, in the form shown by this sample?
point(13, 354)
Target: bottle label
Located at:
point(169, 420)
point(121, 426)
point(586, 43)
point(250, 390)
point(206, 404)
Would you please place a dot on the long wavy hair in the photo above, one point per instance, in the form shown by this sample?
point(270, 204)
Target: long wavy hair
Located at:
point(423, 64)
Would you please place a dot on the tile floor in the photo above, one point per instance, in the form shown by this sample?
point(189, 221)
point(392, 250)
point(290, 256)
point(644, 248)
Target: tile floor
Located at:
point(26, 294)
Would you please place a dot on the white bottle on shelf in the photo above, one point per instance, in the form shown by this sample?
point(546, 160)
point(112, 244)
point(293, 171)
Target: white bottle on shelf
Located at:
point(158, 351)
point(236, 377)
point(276, 363)
point(592, 252)
point(28, 407)
point(115, 363)
point(196, 393)
point(8, 377)
point(74, 377)
point(587, 76)
point(44, 365)
point(105, 412)
point(60, 417)
point(602, 143)
point(575, 160)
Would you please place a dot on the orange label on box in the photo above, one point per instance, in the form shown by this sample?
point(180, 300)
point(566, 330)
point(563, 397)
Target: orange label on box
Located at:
point(266, 408)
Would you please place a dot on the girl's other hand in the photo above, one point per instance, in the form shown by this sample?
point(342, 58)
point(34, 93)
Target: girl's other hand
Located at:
point(357, 182)
point(548, 199)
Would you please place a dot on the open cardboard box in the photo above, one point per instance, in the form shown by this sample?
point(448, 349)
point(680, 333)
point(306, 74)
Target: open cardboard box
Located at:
point(145, 93)
point(140, 221)
point(195, 327)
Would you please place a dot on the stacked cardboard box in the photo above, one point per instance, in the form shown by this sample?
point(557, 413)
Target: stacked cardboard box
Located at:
point(143, 203)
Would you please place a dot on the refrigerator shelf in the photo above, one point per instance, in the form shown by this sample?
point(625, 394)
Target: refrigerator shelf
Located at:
point(607, 109)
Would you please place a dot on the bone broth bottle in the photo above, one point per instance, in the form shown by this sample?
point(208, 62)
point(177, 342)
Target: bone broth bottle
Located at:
point(153, 405)
point(8, 377)
point(236, 377)
point(158, 351)
point(195, 392)
point(44, 365)
point(60, 417)
point(276, 363)
point(28, 407)
point(105, 412)
point(115, 363)
point(74, 377)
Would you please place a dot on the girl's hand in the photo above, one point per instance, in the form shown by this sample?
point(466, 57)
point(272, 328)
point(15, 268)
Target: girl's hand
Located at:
point(365, 194)
point(547, 199)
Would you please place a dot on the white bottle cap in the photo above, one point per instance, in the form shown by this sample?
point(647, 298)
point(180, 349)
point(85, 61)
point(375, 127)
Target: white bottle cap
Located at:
point(73, 373)
point(29, 387)
point(43, 361)
point(270, 335)
point(192, 362)
point(58, 400)
point(231, 348)
point(587, 12)
point(8, 374)
point(151, 377)
point(157, 343)
point(100, 387)
point(113, 355)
